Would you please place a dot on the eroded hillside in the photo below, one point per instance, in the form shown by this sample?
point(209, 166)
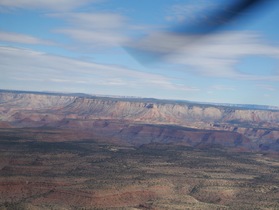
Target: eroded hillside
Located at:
point(146, 120)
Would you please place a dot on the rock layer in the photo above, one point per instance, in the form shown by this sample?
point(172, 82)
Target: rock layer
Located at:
point(144, 120)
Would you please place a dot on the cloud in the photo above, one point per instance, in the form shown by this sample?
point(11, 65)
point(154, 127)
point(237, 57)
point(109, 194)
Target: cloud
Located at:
point(56, 5)
point(215, 55)
point(94, 30)
point(99, 21)
point(267, 87)
point(95, 39)
point(173, 86)
point(22, 39)
point(223, 88)
point(91, 31)
point(36, 66)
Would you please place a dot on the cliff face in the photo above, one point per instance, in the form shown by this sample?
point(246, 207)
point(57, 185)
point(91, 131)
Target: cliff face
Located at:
point(106, 108)
point(34, 110)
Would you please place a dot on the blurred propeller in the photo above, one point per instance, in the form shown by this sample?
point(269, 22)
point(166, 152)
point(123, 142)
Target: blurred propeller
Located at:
point(157, 45)
point(219, 18)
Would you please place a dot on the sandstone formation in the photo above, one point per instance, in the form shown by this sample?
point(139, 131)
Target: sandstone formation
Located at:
point(140, 121)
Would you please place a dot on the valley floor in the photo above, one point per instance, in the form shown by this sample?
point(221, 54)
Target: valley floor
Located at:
point(63, 169)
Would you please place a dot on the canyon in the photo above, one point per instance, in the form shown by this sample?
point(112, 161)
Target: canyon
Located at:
point(141, 121)
point(78, 151)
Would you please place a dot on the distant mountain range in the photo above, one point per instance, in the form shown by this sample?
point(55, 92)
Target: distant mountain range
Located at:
point(140, 121)
point(134, 98)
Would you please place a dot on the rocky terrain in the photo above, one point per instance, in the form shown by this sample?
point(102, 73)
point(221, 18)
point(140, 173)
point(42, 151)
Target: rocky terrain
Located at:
point(40, 169)
point(140, 121)
point(76, 151)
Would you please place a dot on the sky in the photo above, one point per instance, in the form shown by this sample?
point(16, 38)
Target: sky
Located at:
point(131, 48)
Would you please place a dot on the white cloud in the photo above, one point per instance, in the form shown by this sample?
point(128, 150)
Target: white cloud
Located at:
point(223, 88)
point(94, 30)
point(173, 86)
point(96, 39)
point(99, 21)
point(214, 55)
point(217, 55)
point(22, 38)
point(267, 87)
point(36, 66)
point(56, 5)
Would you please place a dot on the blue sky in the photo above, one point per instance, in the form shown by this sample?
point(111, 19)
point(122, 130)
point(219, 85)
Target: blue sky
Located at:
point(93, 46)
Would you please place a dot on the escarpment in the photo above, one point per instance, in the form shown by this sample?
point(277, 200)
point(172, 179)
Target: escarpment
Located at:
point(119, 115)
